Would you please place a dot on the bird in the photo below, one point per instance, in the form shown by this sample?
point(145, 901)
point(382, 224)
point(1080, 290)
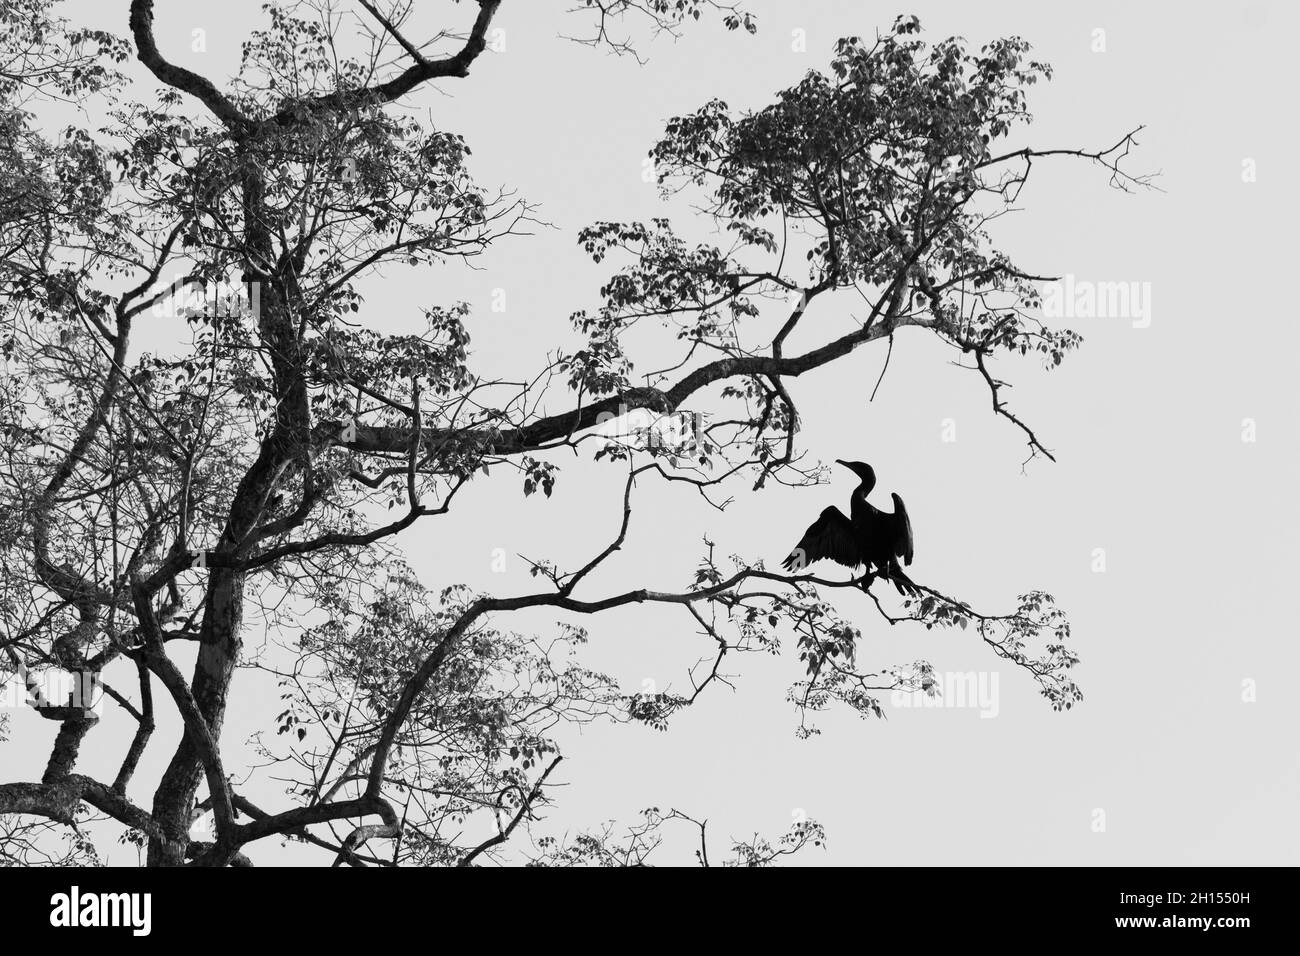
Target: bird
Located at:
point(869, 537)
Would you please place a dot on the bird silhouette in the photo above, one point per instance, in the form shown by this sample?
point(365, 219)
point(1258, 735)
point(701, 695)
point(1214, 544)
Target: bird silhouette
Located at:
point(868, 538)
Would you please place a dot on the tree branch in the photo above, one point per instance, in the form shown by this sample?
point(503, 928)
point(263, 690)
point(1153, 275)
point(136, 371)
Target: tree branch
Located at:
point(176, 76)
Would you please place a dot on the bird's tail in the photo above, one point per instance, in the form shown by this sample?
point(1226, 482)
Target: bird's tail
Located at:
point(906, 586)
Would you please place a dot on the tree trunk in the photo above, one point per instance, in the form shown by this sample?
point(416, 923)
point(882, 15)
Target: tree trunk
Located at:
point(220, 638)
point(219, 646)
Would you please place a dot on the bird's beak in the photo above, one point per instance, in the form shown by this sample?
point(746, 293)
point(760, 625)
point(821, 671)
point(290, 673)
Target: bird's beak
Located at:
point(841, 461)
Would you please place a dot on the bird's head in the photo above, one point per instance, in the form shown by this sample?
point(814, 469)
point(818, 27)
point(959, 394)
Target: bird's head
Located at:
point(865, 472)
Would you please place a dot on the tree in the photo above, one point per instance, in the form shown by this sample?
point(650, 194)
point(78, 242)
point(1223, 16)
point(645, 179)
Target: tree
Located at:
point(267, 468)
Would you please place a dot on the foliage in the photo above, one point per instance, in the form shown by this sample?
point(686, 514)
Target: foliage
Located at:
point(258, 472)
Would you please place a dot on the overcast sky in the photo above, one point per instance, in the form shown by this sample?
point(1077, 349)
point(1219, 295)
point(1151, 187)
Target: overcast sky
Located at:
point(1151, 421)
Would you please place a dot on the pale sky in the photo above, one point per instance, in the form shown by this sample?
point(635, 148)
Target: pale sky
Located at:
point(1148, 424)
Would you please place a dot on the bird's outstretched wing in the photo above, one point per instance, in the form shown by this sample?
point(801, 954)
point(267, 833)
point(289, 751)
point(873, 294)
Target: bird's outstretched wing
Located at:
point(830, 536)
point(902, 531)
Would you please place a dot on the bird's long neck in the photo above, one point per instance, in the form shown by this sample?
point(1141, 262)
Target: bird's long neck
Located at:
point(864, 489)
